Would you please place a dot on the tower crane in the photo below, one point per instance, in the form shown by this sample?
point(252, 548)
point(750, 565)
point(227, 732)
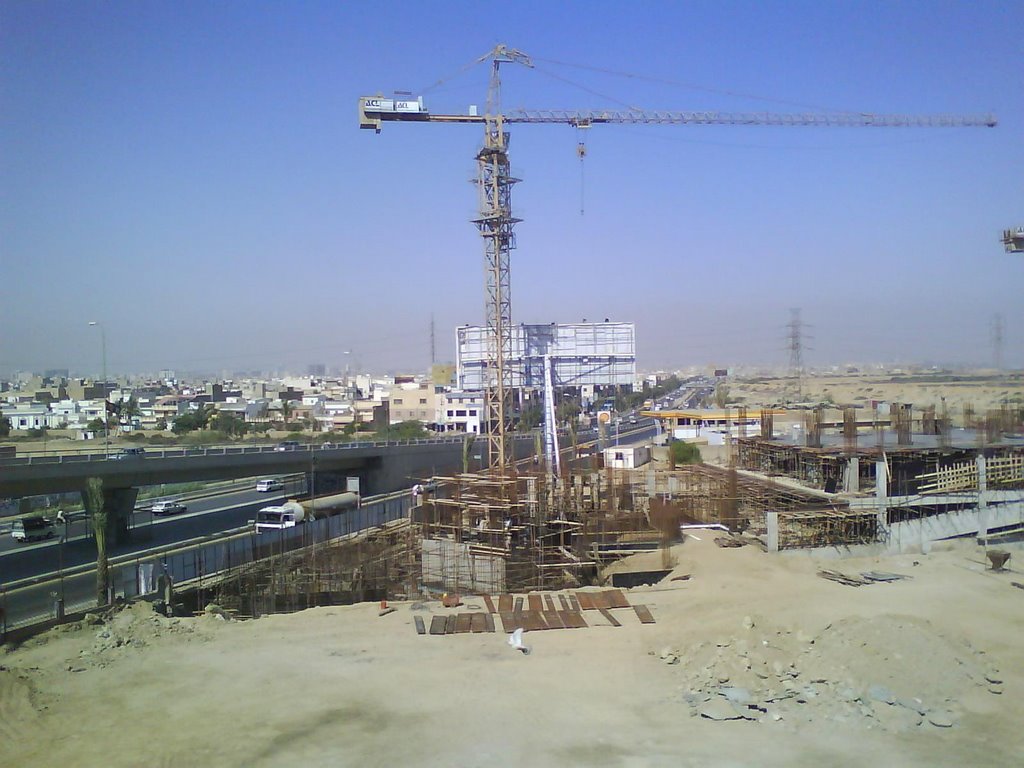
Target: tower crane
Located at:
point(495, 181)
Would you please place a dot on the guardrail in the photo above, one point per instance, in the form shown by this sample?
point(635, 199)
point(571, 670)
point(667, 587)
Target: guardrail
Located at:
point(224, 450)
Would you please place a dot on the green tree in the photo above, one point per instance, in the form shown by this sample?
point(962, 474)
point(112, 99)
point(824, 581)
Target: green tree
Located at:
point(287, 409)
point(531, 417)
point(92, 497)
point(5, 426)
point(405, 430)
point(683, 453)
point(721, 395)
point(230, 424)
point(96, 426)
point(161, 424)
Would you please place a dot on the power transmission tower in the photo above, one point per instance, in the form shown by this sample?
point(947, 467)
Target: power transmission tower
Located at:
point(795, 339)
point(997, 341)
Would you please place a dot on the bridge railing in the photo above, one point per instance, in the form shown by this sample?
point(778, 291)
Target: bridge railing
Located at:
point(218, 450)
point(137, 575)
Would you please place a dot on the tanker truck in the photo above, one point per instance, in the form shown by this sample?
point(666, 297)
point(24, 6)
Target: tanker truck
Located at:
point(292, 513)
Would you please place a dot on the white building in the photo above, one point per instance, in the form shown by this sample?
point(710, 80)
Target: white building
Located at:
point(461, 411)
point(626, 456)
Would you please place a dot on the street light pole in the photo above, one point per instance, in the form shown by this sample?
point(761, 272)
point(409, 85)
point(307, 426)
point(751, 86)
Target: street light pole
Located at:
point(106, 425)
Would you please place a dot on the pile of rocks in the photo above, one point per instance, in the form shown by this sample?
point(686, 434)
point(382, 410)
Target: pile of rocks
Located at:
point(889, 672)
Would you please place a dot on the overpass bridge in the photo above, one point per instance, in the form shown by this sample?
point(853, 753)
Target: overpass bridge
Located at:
point(380, 466)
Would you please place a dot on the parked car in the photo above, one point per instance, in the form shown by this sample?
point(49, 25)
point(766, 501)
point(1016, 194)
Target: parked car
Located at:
point(32, 529)
point(129, 453)
point(327, 446)
point(168, 508)
point(269, 485)
point(287, 445)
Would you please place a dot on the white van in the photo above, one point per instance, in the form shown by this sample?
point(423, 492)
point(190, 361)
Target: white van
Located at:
point(263, 486)
point(32, 529)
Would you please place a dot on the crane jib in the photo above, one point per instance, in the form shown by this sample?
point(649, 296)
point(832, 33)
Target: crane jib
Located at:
point(374, 109)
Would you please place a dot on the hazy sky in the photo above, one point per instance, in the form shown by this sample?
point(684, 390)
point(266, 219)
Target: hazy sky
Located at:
point(192, 176)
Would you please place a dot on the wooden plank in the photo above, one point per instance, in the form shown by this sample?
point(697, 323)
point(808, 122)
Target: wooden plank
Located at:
point(478, 622)
point(566, 618)
point(586, 600)
point(438, 624)
point(549, 603)
point(463, 622)
point(519, 605)
point(488, 622)
point(504, 603)
point(420, 628)
point(611, 619)
point(616, 599)
point(578, 621)
point(535, 602)
point(574, 604)
point(450, 626)
point(489, 603)
point(554, 621)
point(507, 621)
point(644, 614)
point(600, 600)
point(564, 603)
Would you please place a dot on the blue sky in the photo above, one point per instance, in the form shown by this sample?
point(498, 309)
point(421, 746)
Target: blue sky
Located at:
point(192, 176)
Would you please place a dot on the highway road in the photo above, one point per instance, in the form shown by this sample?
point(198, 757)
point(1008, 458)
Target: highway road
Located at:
point(205, 516)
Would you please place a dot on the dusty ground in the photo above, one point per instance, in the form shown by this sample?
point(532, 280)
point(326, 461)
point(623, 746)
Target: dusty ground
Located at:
point(980, 391)
point(927, 671)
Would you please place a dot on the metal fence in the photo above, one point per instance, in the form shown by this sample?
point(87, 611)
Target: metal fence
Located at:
point(139, 574)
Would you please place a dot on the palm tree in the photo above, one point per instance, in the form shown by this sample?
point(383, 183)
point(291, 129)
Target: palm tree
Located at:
point(92, 496)
point(286, 410)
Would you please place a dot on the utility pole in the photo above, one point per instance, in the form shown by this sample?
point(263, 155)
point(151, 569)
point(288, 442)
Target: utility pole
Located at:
point(106, 425)
point(796, 349)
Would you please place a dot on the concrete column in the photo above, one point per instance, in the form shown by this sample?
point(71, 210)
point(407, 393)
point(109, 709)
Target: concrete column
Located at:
point(882, 495)
point(982, 500)
point(853, 475)
point(120, 504)
point(772, 519)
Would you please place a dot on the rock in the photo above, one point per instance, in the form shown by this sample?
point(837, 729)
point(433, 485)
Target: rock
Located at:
point(993, 677)
point(92, 618)
point(748, 623)
point(736, 695)
point(665, 652)
point(996, 689)
point(723, 679)
point(671, 659)
point(719, 709)
point(914, 705)
point(941, 718)
point(880, 693)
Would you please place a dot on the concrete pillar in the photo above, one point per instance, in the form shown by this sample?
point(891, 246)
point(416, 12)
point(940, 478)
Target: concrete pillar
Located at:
point(882, 495)
point(853, 474)
point(982, 500)
point(119, 504)
point(772, 519)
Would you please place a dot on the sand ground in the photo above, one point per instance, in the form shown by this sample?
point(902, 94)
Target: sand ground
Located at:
point(828, 675)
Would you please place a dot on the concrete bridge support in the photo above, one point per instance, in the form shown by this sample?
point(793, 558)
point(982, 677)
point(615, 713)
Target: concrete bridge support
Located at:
point(119, 504)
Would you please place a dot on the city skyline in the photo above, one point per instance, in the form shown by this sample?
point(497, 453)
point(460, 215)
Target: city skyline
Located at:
point(193, 178)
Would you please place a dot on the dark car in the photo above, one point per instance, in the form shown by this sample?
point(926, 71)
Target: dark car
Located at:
point(129, 453)
point(287, 445)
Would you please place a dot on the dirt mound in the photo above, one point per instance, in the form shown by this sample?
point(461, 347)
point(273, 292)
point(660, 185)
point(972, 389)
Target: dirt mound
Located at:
point(890, 672)
point(17, 703)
